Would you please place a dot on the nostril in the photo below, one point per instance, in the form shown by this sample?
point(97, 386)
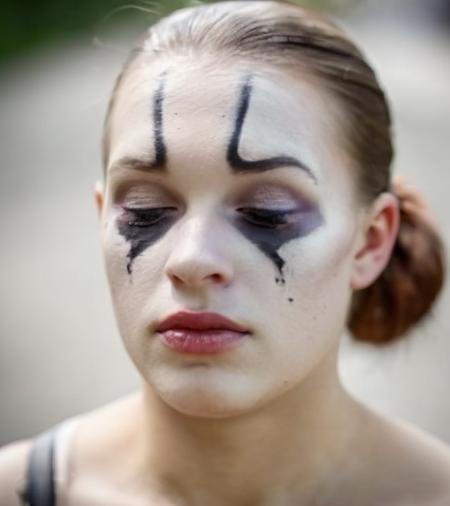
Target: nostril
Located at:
point(217, 278)
point(195, 273)
point(192, 279)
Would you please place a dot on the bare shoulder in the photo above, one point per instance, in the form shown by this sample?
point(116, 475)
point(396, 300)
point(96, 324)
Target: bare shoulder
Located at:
point(427, 461)
point(13, 464)
point(99, 447)
point(90, 450)
point(414, 466)
point(100, 429)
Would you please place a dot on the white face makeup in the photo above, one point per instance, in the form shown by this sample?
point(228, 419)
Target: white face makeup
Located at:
point(242, 204)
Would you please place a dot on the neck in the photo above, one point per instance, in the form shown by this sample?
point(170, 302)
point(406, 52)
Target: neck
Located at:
point(280, 453)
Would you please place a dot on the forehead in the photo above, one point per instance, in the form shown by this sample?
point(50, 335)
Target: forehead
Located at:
point(199, 108)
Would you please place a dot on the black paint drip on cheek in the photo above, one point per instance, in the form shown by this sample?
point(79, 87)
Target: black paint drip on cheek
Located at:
point(140, 238)
point(270, 240)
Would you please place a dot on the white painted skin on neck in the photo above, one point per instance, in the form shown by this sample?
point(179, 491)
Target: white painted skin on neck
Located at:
point(295, 326)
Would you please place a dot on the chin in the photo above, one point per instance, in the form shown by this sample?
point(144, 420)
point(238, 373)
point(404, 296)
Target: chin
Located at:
point(201, 406)
point(207, 394)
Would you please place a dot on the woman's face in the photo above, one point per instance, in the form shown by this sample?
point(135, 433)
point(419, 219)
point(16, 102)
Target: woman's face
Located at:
point(228, 191)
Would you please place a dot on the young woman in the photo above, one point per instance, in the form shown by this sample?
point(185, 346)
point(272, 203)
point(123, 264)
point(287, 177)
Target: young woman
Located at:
point(248, 217)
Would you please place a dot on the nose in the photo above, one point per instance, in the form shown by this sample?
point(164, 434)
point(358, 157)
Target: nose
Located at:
point(199, 258)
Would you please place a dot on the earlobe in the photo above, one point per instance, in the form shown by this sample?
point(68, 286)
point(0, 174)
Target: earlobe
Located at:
point(377, 239)
point(98, 195)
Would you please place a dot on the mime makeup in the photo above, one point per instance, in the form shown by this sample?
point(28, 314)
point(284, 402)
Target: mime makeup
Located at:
point(231, 221)
point(294, 223)
point(237, 163)
point(142, 227)
point(160, 147)
point(265, 226)
point(287, 225)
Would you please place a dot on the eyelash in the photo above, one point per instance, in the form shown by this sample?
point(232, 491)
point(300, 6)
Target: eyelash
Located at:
point(146, 217)
point(258, 217)
point(264, 218)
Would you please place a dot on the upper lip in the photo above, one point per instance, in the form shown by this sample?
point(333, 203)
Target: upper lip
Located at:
point(198, 321)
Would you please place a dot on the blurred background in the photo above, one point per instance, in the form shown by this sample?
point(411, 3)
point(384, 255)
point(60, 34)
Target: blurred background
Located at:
point(60, 353)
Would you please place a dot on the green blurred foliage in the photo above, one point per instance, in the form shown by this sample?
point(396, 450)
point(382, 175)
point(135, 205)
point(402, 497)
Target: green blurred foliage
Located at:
point(25, 25)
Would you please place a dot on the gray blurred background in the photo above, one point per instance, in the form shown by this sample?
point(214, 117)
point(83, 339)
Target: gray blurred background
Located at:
point(60, 353)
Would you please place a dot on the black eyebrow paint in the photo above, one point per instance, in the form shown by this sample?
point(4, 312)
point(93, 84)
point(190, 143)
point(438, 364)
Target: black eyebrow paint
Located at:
point(160, 147)
point(237, 163)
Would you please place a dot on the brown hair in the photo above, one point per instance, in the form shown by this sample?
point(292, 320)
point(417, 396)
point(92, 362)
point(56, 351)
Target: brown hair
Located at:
point(284, 34)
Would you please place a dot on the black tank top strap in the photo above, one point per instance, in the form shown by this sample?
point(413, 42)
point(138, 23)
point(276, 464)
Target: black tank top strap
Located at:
point(40, 487)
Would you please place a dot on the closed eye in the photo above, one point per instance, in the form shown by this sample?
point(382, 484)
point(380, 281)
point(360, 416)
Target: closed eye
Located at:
point(146, 217)
point(265, 218)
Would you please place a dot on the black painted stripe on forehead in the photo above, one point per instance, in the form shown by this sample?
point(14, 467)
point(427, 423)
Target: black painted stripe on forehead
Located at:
point(160, 147)
point(159, 162)
point(238, 164)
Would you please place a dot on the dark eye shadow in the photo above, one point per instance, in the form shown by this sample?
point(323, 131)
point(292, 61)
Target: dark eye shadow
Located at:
point(270, 240)
point(141, 235)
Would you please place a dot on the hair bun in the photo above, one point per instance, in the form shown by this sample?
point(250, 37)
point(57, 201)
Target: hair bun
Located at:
point(412, 201)
point(411, 282)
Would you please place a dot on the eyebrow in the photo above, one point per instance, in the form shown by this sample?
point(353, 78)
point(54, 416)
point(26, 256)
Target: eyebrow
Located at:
point(148, 166)
point(159, 163)
point(237, 163)
point(140, 164)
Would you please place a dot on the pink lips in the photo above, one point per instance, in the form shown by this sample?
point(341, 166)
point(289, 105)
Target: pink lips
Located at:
point(189, 332)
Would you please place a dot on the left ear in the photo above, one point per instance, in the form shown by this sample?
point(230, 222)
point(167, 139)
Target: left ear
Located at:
point(376, 240)
point(99, 198)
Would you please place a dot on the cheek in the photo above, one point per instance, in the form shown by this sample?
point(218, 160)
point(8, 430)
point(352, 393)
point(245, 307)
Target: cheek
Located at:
point(309, 308)
point(129, 293)
point(319, 265)
point(317, 285)
point(115, 250)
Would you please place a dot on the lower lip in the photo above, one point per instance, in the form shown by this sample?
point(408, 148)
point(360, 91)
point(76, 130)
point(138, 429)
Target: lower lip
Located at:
point(201, 341)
